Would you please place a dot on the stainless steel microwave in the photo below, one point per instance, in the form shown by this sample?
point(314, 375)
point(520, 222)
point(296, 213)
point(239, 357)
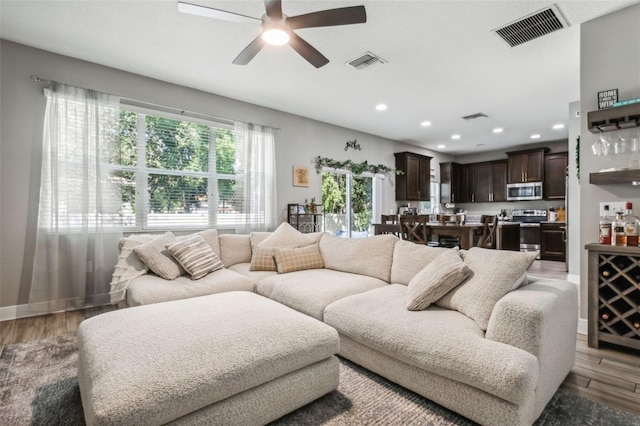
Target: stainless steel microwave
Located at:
point(524, 191)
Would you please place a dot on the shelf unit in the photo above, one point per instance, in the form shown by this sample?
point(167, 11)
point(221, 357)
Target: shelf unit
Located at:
point(620, 176)
point(614, 295)
point(305, 222)
point(610, 119)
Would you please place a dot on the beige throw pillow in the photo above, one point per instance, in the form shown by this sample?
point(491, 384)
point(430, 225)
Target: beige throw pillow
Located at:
point(157, 257)
point(446, 272)
point(196, 256)
point(298, 259)
point(493, 274)
point(285, 236)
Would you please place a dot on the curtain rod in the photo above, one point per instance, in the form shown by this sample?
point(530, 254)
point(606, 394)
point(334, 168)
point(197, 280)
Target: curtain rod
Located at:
point(180, 111)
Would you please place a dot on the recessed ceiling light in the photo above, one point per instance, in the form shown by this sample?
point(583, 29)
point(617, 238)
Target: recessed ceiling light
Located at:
point(535, 136)
point(497, 130)
point(441, 146)
point(381, 107)
point(425, 124)
point(558, 126)
point(455, 136)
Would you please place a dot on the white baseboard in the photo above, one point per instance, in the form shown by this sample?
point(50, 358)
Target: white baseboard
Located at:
point(573, 278)
point(582, 326)
point(13, 312)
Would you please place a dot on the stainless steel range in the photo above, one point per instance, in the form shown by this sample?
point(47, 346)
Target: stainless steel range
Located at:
point(529, 228)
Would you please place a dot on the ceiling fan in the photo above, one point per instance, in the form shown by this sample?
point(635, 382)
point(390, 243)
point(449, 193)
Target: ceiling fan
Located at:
point(277, 28)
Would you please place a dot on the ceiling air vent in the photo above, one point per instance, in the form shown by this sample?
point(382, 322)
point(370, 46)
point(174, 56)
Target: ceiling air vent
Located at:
point(532, 26)
point(366, 61)
point(474, 116)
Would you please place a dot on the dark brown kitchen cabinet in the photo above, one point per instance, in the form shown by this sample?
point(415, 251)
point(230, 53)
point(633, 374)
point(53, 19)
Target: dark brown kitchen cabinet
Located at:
point(450, 182)
point(552, 241)
point(413, 183)
point(484, 182)
point(526, 166)
point(555, 172)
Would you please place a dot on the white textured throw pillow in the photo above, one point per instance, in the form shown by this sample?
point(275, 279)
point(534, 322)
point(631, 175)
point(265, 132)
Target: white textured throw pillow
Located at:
point(494, 274)
point(196, 256)
point(443, 274)
point(157, 257)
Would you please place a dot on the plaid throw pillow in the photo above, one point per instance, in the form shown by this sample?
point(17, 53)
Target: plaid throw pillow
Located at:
point(298, 259)
point(262, 259)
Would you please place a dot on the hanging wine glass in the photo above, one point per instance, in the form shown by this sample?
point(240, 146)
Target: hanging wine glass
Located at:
point(601, 146)
point(634, 161)
point(620, 146)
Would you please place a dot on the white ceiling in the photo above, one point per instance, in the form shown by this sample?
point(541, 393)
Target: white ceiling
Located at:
point(443, 62)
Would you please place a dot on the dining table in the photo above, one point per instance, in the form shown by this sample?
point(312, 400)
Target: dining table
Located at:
point(464, 231)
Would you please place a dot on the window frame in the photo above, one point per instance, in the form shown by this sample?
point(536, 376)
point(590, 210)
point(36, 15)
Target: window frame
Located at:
point(142, 171)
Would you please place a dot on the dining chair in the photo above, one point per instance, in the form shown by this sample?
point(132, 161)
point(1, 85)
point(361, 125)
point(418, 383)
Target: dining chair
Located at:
point(489, 226)
point(414, 228)
point(389, 219)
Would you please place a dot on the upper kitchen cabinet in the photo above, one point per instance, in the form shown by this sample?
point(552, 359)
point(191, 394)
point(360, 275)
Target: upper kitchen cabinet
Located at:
point(413, 184)
point(484, 182)
point(450, 182)
point(526, 166)
point(555, 172)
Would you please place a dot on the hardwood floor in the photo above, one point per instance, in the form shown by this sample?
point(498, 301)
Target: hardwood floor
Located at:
point(610, 374)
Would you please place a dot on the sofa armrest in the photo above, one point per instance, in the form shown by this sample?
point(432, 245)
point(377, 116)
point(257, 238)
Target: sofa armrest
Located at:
point(540, 317)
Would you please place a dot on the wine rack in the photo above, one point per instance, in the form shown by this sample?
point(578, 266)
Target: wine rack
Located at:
point(614, 295)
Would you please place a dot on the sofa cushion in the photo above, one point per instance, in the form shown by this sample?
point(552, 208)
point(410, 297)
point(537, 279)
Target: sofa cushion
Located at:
point(370, 256)
point(440, 341)
point(234, 248)
point(439, 277)
point(155, 255)
point(150, 288)
point(195, 256)
point(298, 259)
point(410, 258)
point(310, 291)
point(255, 276)
point(493, 274)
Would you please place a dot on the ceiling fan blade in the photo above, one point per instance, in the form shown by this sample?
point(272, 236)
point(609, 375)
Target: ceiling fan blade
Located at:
point(329, 18)
point(274, 9)
point(250, 51)
point(194, 9)
point(307, 51)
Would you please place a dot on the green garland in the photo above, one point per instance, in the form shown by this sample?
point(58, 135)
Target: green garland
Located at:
point(578, 159)
point(355, 168)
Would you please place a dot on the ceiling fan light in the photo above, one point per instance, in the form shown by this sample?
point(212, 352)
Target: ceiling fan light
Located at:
point(275, 36)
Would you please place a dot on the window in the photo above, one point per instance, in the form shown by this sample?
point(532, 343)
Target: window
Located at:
point(177, 173)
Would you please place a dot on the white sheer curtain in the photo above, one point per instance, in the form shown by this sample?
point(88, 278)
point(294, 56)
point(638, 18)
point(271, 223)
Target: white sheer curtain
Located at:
point(255, 157)
point(80, 201)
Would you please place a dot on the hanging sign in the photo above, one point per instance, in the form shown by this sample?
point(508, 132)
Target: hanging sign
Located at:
point(607, 98)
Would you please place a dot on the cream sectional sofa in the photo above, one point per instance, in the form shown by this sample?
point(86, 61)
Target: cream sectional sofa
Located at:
point(495, 356)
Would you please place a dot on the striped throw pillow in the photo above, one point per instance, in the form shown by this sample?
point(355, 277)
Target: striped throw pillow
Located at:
point(298, 259)
point(195, 256)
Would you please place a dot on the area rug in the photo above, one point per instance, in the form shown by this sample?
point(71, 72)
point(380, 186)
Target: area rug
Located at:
point(38, 386)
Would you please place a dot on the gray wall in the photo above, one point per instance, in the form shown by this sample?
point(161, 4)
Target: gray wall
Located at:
point(609, 59)
point(298, 142)
point(573, 200)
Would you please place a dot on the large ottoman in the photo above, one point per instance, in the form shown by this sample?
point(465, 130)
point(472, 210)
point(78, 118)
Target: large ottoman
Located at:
point(229, 358)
